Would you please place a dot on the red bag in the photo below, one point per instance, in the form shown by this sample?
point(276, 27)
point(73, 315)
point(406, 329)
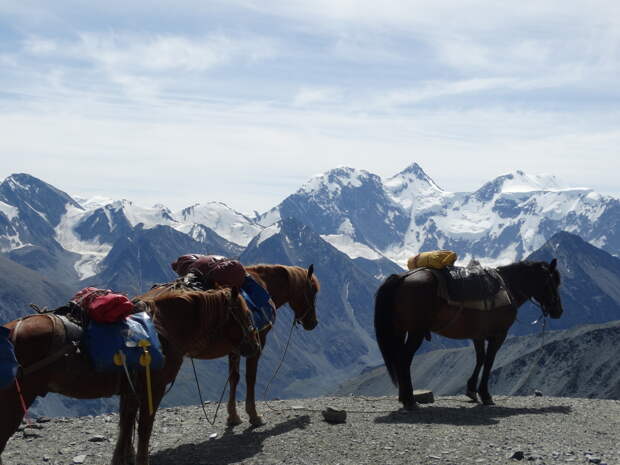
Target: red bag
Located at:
point(102, 305)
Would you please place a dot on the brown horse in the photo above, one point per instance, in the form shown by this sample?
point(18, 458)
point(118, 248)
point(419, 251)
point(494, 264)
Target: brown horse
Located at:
point(291, 285)
point(187, 323)
point(407, 308)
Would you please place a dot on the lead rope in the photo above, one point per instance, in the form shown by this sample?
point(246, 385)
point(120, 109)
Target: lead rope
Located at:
point(301, 409)
point(290, 333)
point(202, 404)
point(542, 345)
point(22, 402)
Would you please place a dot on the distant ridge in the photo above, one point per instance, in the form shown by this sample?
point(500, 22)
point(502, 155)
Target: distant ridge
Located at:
point(580, 362)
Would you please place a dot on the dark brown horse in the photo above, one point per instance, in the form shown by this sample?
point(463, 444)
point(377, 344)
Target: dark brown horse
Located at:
point(407, 308)
point(291, 285)
point(186, 323)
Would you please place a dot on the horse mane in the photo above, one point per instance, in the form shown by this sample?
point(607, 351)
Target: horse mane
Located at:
point(187, 315)
point(295, 275)
point(298, 277)
point(531, 265)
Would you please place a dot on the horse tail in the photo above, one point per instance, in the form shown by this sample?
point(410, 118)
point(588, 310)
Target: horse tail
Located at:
point(388, 343)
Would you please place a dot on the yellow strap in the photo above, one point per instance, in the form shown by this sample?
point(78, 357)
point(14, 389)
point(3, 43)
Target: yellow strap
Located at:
point(145, 361)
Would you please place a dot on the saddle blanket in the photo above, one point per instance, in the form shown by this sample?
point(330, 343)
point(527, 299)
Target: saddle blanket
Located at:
point(103, 342)
point(472, 287)
point(259, 303)
point(8, 361)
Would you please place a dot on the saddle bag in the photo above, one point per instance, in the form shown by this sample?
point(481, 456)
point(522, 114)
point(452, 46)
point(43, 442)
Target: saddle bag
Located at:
point(103, 305)
point(8, 361)
point(259, 302)
point(132, 342)
point(437, 259)
point(213, 269)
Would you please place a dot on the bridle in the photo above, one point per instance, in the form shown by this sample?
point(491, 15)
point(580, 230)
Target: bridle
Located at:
point(555, 298)
point(309, 304)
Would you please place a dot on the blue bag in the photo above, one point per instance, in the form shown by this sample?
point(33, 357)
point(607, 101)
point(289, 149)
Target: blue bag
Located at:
point(8, 361)
point(104, 341)
point(259, 303)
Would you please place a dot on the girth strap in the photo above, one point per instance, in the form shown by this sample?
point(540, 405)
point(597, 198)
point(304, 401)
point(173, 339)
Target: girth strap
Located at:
point(66, 349)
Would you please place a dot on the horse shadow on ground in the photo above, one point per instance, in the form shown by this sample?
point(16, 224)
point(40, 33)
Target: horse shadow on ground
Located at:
point(231, 447)
point(472, 415)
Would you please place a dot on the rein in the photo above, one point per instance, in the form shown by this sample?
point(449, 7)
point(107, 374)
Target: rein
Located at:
point(202, 404)
point(542, 344)
point(288, 341)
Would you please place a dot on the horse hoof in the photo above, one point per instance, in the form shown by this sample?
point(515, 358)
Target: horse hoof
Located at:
point(257, 421)
point(488, 402)
point(233, 420)
point(473, 395)
point(411, 406)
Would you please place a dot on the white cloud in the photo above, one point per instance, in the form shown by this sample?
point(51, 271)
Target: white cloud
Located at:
point(311, 95)
point(261, 94)
point(123, 51)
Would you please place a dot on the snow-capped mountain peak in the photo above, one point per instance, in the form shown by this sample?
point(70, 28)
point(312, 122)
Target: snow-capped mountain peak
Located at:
point(227, 222)
point(518, 183)
point(331, 183)
point(414, 172)
point(412, 187)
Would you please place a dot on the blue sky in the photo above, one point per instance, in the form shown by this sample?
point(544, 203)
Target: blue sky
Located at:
point(241, 101)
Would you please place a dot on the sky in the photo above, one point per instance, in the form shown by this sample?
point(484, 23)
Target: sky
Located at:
point(242, 101)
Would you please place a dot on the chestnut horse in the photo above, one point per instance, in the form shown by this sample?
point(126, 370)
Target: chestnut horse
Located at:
point(290, 285)
point(408, 308)
point(187, 323)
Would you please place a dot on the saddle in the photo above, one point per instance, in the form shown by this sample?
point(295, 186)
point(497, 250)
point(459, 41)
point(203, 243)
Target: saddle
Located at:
point(205, 272)
point(473, 287)
point(110, 341)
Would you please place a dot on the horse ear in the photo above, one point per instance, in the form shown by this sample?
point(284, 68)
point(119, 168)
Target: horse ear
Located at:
point(310, 271)
point(553, 265)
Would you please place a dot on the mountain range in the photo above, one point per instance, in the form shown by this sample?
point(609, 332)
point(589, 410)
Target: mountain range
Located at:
point(355, 227)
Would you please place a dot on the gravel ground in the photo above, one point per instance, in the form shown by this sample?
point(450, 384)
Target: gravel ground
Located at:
point(537, 430)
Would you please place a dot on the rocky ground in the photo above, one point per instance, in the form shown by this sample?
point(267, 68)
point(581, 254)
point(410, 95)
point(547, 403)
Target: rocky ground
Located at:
point(537, 430)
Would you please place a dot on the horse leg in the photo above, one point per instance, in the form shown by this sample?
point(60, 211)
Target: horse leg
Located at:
point(124, 452)
point(495, 343)
point(403, 370)
point(472, 391)
point(233, 373)
point(12, 413)
point(251, 366)
point(146, 420)
point(159, 380)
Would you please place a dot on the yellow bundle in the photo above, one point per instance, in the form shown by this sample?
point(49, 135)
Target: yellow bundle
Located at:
point(434, 259)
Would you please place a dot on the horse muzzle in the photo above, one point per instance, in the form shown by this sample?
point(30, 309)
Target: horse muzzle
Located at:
point(309, 325)
point(250, 346)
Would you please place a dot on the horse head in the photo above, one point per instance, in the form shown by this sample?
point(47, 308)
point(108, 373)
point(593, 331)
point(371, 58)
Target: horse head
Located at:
point(546, 292)
point(250, 345)
point(303, 299)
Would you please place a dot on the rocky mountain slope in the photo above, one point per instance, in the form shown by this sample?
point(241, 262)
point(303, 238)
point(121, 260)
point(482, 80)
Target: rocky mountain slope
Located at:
point(581, 362)
point(537, 430)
